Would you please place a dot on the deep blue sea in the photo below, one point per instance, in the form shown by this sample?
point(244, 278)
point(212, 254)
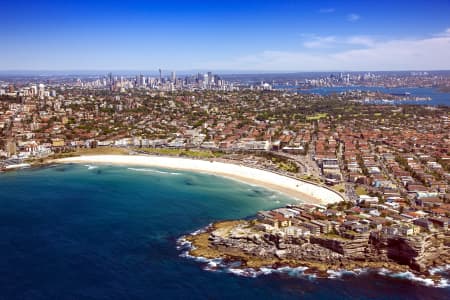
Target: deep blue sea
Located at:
point(79, 232)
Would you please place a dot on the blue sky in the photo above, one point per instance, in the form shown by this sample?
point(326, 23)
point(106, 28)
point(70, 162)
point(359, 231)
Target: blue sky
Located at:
point(225, 35)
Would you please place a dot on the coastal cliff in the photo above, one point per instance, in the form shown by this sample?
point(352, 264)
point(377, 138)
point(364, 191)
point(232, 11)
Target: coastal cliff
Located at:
point(248, 243)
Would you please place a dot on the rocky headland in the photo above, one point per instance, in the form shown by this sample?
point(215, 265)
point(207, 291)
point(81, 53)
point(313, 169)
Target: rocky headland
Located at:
point(253, 246)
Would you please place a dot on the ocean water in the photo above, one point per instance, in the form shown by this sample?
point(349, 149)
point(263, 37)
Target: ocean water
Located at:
point(104, 232)
point(438, 97)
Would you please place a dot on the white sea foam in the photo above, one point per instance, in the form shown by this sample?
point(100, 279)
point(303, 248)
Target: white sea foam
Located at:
point(340, 273)
point(182, 243)
point(215, 264)
point(294, 272)
point(297, 271)
point(439, 270)
point(90, 167)
point(153, 171)
point(202, 259)
point(219, 265)
point(442, 283)
point(247, 272)
point(360, 271)
point(413, 277)
point(383, 271)
point(266, 271)
point(291, 186)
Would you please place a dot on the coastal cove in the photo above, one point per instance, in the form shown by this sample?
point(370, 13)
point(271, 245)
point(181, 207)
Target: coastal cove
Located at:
point(294, 188)
point(110, 232)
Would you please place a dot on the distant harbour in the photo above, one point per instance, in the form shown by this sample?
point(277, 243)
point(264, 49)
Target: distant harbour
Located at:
point(437, 96)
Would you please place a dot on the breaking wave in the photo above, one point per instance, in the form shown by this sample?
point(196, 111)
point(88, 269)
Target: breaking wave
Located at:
point(91, 167)
point(412, 277)
point(439, 270)
point(341, 273)
point(153, 171)
point(220, 265)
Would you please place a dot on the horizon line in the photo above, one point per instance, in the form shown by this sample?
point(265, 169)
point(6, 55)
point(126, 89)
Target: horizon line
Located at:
point(185, 71)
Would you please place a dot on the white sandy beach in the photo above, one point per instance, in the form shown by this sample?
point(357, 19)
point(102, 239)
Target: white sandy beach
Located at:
point(305, 191)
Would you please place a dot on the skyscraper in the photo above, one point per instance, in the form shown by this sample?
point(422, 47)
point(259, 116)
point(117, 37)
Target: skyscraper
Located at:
point(111, 81)
point(41, 90)
point(210, 78)
point(142, 80)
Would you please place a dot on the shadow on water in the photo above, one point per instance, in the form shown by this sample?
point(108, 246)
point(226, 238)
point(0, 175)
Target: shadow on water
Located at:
point(259, 193)
point(189, 182)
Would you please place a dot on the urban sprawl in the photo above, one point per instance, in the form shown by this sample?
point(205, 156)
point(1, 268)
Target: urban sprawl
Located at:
point(390, 162)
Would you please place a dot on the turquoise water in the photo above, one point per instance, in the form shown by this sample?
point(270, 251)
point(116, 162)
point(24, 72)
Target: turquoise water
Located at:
point(78, 232)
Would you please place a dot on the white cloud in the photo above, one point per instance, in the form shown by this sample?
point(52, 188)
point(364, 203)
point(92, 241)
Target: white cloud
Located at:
point(444, 33)
point(360, 40)
point(327, 42)
point(327, 10)
point(320, 42)
point(431, 53)
point(353, 17)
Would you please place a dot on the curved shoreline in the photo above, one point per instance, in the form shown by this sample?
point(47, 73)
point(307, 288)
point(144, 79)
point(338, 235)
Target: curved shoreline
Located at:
point(292, 187)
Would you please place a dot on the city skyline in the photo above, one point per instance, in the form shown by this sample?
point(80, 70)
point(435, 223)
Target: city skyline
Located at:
point(282, 36)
